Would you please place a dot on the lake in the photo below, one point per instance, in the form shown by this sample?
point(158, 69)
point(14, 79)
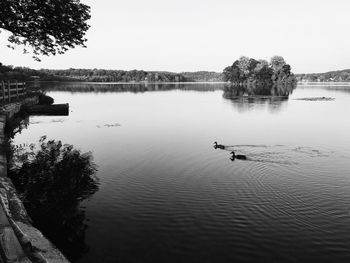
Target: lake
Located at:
point(165, 193)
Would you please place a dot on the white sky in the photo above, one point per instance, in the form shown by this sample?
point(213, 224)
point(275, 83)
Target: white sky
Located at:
point(191, 35)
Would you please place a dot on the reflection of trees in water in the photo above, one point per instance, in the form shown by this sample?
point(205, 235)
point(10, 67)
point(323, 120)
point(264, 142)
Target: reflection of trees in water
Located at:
point(246, 104)
point(281, 89)
point(242, 101)
point(52, 181)
point(130, 87)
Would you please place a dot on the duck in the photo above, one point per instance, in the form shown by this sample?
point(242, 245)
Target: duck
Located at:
point(220, 146)
point(238, 156)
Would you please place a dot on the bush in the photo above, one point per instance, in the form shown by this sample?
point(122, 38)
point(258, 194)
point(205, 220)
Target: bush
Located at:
point(51, 180)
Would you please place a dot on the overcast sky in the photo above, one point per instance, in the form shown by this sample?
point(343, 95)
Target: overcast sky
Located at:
point(191, 35)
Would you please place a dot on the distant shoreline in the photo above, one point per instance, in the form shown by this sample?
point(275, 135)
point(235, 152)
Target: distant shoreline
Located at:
point(175, 83)
point(131, 82)
point(9, 73)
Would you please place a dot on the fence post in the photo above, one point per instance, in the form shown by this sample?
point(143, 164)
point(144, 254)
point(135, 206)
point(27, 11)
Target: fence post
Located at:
point(17, 89)
point(3, 91)
point(9, 90)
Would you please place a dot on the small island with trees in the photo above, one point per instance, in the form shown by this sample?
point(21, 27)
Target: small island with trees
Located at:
point(251, 77)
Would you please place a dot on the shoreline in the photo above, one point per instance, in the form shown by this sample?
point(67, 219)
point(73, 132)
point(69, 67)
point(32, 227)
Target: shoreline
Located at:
point(174, 83)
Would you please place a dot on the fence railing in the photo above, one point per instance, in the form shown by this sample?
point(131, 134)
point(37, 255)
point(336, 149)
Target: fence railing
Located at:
point(12, 90)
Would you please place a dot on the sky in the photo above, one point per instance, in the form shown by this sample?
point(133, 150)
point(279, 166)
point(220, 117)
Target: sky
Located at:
point(193, 35)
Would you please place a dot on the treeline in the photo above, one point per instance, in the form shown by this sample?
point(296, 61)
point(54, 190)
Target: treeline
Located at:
point(246, 71)
point(203, 76)
point(331, 76)
point(103, 75)
point(10, 73)
point(260, 77)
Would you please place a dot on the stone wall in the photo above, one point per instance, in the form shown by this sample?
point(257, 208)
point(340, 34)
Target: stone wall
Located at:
point(11, 109)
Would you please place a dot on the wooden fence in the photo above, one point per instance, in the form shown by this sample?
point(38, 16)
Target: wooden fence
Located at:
point(12, 91)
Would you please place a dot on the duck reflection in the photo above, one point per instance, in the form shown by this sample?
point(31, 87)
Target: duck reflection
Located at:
point(52, 181)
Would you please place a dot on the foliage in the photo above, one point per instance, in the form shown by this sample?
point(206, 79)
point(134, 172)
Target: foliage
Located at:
point(202, 76)
point(258, 77)
point(331, 76)
point(10, 73)
point(52, 181)
point(49, 27)
point(55, 172)
point(277, 62)
point(102, 75)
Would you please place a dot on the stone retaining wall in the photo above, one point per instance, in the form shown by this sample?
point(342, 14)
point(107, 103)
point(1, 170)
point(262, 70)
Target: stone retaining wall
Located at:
point(12, 109)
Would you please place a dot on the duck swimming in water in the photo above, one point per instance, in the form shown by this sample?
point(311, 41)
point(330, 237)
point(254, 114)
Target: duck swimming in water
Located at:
point(220, 146)
point(238, 156)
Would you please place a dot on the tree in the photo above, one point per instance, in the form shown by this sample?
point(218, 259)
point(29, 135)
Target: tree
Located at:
point(49, 27)
point(277, 62)
point(233, 73)
point(262, 63)
point(252, 65)
point(243, 64)
point(286, 69)
point(264, 73)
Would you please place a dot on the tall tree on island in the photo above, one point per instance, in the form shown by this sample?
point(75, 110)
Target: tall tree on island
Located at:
point(48, 27)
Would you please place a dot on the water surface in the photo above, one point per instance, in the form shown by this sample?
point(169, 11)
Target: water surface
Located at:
point(166, 195)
